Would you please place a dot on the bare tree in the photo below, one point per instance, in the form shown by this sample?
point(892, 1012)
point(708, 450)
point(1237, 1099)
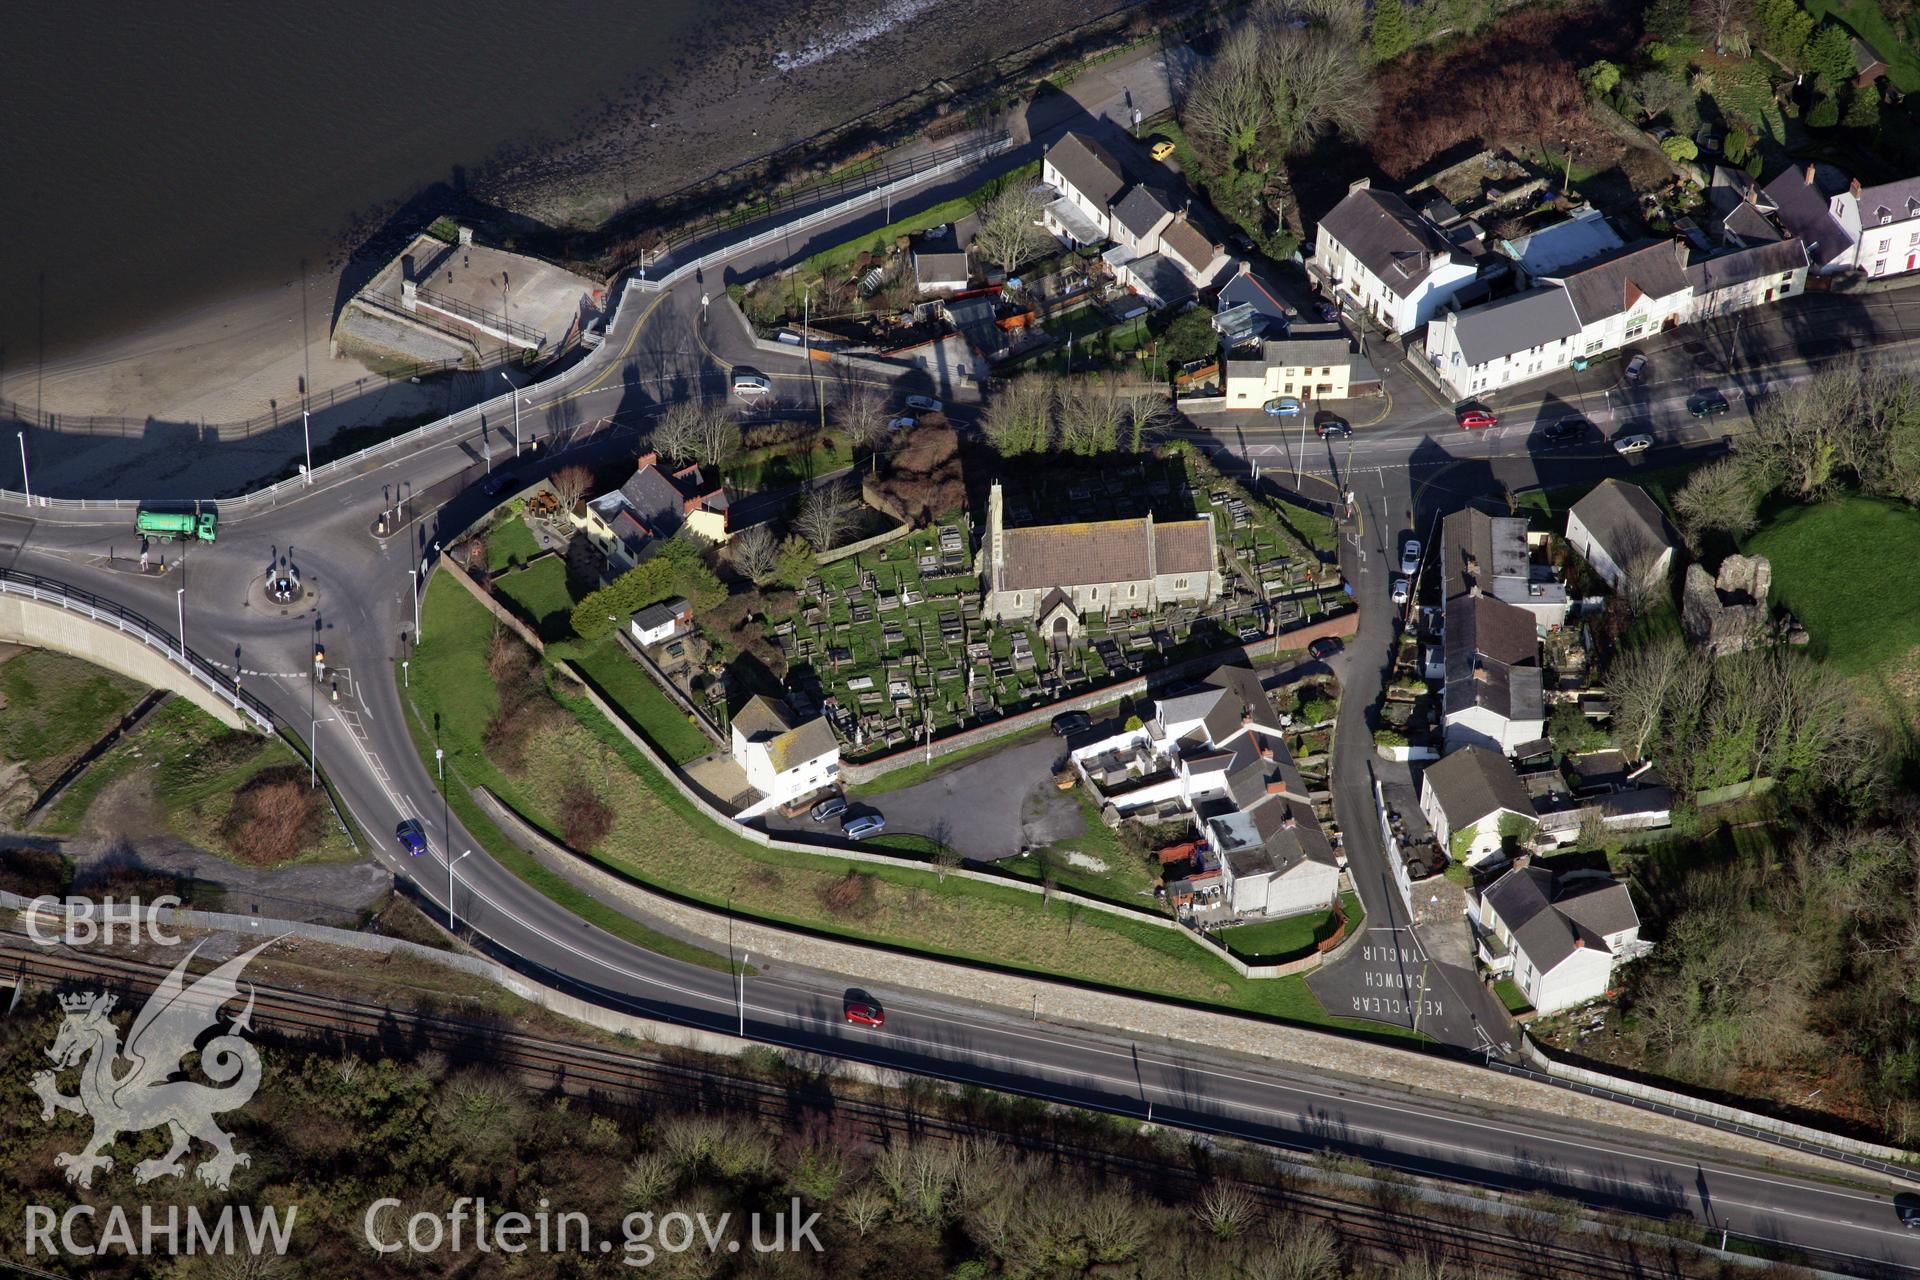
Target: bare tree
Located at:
point(1091, 413)
point(825, 515)
point(1643, 683)
point(755, 553)
point(1019, 418)
point(1315, 85)
point(719, 437)
point(1010, 233)
point(678, 431)
point(1274, 88)
point(1718, 498)
point(1226, 106)
point(1725, 17)
point(862, 419)
point(571, 484)
point(1146, 410)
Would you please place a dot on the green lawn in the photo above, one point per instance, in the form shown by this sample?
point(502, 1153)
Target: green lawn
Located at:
point(661, 839)
point(52, 708)
point(196, 765)
point(1126, 880)
point(624, 683)
point(777, 466)
point(1510, 996)
point(510, 543)
point(539, 594)
point(1274, 941)
point(1850, 571)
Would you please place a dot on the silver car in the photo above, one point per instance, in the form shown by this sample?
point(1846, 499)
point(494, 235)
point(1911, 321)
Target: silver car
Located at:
point(1632, 444)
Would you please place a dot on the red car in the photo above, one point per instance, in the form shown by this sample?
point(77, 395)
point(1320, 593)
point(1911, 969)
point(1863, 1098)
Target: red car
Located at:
point(866, 1015)
point(1474, 419)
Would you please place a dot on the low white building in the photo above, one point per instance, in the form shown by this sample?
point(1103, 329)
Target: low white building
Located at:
point(661, 621)
point(1874, 231)
point(1619, 530)
point(1560, 937)
point(783, 760)
point(1467, 796)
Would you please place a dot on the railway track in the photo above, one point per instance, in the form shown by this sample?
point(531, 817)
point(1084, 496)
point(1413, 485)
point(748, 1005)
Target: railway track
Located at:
point(1397, 1223)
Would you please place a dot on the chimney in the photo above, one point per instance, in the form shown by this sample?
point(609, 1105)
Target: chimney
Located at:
point(1246, 266)
point(1809, 178)
point(1479, 671)
point(1277, 787)
point(645, 460)
point(1288, 824)
point(1853, 188)
point(1360, 184)
point(1579, 941)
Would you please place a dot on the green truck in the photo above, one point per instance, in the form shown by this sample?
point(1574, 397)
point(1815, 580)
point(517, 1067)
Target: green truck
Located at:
point(197, 523)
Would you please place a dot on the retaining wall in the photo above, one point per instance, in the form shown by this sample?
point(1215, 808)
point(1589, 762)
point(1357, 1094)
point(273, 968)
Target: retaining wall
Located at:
point(866, 544)
point(505, 615)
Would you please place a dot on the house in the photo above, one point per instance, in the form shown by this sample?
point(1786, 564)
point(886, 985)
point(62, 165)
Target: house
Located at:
point(655, 502)
point(1599, 788)
point(660, 621)
point(783, 760)
point(1742, 213)
point(1559, 936)
point(1619, 530)
point(1750, 274)
point(1488, 555)
point(941, 272)
point(1488, 347)
point(1872, 230)
point(1219, 753)
point(1622, 298)
point(1581, 237)
point(1475, 803)
point(1804, 200)
point(1868, 65)
point(1089, 180)
point(1493, 696)
point(1375, 252)
point(1248, 288)
point(1054, 574)
point(1311, 362)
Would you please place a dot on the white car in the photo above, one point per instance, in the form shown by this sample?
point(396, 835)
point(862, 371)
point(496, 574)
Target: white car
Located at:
point(901, 423)
point(1410, 557)
point(1632, 444)
point(925, 404)
point(1402, 589)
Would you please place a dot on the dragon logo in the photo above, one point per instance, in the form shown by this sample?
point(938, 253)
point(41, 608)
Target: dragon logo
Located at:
point(145, 1095)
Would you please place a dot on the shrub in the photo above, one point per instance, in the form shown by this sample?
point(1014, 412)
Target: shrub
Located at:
point(850, 895)
point(274, 817)
point(585, 818)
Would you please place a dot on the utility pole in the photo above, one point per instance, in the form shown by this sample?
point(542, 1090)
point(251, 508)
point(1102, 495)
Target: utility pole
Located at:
point(1300, 460)
point(26, 485)
point(1420, 1005)
point(313, 753)
point(514, 392)
point(180, 599)
point(306, 432)
point(450, 866)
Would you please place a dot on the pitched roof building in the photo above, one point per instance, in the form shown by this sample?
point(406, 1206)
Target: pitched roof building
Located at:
point(784, 758)
point(1466, 796)
point(1391, 262)
point(1619, 530)
point(1559, 936)
point(1494, 694)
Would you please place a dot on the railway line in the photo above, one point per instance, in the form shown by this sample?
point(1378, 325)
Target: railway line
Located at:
point(1383, 1220)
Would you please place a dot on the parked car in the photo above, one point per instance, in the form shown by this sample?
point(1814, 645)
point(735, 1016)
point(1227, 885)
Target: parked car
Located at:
point(867, 824)
point(1703, 403)
point(1323, 648)
point(901, 423)
point(412, 837)
point(1402, 590)
point(1565, 431)
point(1636, 367)
point(925, 404)
point(1282, 407)
point(1329, 311)
point(750, 384)
point(1068, 723)
point(1410, 557)
point(1331, 428)
point(1477, 419)
point(1162, 149)
point(831, 807)
point(866, 1014)
point(1636, 443)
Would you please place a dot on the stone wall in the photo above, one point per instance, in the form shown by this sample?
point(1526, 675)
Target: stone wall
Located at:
point(447, 565)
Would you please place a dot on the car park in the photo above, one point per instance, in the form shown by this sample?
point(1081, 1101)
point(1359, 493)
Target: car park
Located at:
point(1637, 443)
point(830, 808)
point(1636, 367)
point(1282, 407)
point(1410, 556)
point(1071, 722)
point(1477, 419)
point(1703, 403)
point(1323, 648)
point(412, 837)
point(925, 404)
point(859, 828)
point(1565, 431)
point(865, 1013)
point(1402, 590)
point(1331, 428)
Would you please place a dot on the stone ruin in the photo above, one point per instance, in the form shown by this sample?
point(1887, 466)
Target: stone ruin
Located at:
point(1729, 612)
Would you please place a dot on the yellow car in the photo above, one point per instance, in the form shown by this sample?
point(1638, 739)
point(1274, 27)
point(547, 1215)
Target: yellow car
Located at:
point(1161, 149)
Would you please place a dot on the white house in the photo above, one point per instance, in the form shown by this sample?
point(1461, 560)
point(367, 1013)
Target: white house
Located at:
point(1618, 529)
point(1089, 180)
point(1877, 229)
point(1379, 255)
point(1488, 555)
point(1751, 276)
point(1623, 298)
point(1467, 796)
point(1485, 348)
point(783, 760)
point(1560, 937)
point(1494, 693)
point(660, 621)
point(1312, 362)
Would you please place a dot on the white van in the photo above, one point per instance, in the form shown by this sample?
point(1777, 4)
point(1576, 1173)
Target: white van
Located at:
point(751, 385)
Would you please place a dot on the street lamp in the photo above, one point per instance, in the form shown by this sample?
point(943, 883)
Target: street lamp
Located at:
point(451, 862)
point(744, 958)
point(306, 432)
point(514, 392)
point(180, 599)
point(413, 576)
point(26, 485)
point(313, 752)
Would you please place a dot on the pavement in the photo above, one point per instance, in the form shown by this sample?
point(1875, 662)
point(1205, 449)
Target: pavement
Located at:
point(990, 808)
point(1403, 471)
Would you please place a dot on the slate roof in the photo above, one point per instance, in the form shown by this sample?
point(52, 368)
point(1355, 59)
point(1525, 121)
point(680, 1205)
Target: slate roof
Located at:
point(1247, 287)
point(1484, 551)
point(1891, 202)
point(1520, 323)
point(1623, 519)
point(1091, 553)
point(661, 613)
point(1472, 783)
point(1612, 286)
point(1140, 211)
point(1512, 691)
point(660, 498)
point(1088, 167)
point(1805, 212)
point(1245, 685)
point(1492, 629)
point(1189, 244)
point(1745, 222)
point(1162, 277)
point(761, 717)
point(801, 743)
point(1388, 237)
point(1552, 917)
point(1301, 349)
point(1771, 258)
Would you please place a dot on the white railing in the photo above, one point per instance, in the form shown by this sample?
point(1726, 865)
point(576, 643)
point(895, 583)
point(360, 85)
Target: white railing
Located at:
point(272, 494)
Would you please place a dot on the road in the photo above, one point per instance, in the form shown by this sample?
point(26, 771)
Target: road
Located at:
point(362, 612)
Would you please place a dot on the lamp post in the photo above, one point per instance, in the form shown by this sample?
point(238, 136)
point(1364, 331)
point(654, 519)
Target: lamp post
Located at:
point(413, 576)
point(313, 752)
point(306, 432)
point(26, 485)
point(180, 599)
point(451, 862)
point(514, 392)
point(744, 957)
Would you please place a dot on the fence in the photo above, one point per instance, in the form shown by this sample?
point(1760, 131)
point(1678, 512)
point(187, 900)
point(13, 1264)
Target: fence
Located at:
point(126, 621)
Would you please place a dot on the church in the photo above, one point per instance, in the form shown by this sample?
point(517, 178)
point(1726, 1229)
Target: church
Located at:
point(1053, 575)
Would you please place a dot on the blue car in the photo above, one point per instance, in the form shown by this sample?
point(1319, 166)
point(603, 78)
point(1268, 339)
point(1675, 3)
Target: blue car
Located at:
point(1283, 407)
point(412, 837)
point(867, 824)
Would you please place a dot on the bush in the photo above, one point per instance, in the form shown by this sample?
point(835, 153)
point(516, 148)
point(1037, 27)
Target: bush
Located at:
point(1824, 115)
point(585, 819)
point(850, 895)
point(274, 817)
